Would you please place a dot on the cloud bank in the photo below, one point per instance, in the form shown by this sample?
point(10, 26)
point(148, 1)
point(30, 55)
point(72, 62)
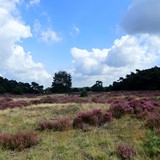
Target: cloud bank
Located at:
point(143, 16)
point(125, 55)
point(14, 60)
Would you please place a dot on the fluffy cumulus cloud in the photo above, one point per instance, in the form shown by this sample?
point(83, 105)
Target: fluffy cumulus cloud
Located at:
point(14, 60)
point(143, 16)
point(89, 62)
point(46, 35)
point(125, 55)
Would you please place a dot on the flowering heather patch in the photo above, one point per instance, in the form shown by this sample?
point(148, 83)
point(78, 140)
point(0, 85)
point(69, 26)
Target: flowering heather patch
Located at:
point(126, 151)
point(153, 119)
point(61, 124)
point(99, 98)
point(120, 107)
point(95, 117)
point(60, 99)
point(45, 125)
point(144, 104)
point(9, 103)
point(19, 141)
point(141, 94)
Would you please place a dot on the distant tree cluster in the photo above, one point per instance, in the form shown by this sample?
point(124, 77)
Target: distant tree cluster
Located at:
point(148, 79)
point(62, 82)
point(14, 87)
point(98, 87)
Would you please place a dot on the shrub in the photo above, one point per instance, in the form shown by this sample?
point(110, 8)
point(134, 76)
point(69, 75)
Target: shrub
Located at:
point(117, 110)
point(153, 120)
point(95, 117)
point(152, 143)
point(19, 141)
point(9, 103)
point(60, 124)
point(45, 125)
point(84, 93)
point(120, 107)
point(107, 117)
point(126, 151)
point(78, 123)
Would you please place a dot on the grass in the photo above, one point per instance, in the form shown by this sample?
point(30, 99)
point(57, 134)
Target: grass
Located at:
point(98, 144)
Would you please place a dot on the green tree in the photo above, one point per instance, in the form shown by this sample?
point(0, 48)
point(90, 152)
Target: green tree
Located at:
point(62, 82)
point(18, 90)
point(98, 87)
point(36, 88)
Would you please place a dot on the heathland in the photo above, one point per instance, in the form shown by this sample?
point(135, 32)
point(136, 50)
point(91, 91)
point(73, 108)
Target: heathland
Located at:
point(101, 126)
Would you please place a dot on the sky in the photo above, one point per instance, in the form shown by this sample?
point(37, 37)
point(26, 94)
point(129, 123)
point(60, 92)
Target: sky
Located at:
point(90, 39)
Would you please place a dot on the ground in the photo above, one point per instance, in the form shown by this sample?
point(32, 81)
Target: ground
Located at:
point(98, 143)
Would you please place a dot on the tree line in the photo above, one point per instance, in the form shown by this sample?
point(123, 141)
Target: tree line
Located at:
point(148, 79)
point(14, 87)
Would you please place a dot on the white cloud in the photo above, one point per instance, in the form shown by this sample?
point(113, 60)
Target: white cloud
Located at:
point(46, 35)
point(89, 62)
point(33, 3)
point(133, 51)
point(49, 36)
point(126, 54)
point(143, 16)
point(15, 62)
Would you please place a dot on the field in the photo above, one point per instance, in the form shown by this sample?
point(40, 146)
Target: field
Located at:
point(103, 126)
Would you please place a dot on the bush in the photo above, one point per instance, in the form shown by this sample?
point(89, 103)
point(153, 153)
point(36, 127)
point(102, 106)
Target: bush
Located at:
point(152, 143)
point(9, 103)
point(107, 117)
point(84, 93)
point(120, 107)
point(19, 141)
point(45, 125)
point(60, 124)
point(126, 151)
point(95, 117)
point(153, 120)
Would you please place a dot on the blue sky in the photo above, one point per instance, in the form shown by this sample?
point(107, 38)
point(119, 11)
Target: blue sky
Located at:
point(92, 40)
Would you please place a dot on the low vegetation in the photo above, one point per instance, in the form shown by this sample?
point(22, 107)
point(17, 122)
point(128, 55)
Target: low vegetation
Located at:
point(117, 125)
point(60, 124)
point(18, 141)
point(126, 151)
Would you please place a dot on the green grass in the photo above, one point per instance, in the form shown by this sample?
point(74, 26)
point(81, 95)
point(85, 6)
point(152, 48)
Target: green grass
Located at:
point(97, 144)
